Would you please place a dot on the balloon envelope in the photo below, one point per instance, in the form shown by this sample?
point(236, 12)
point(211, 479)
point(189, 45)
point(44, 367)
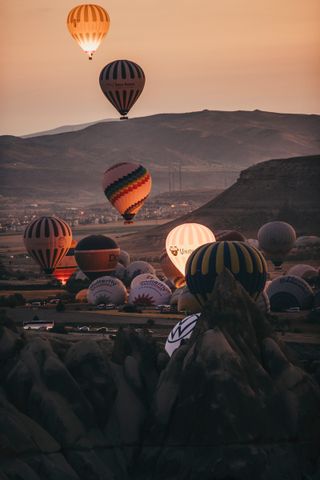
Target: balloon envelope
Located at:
point(47, 240)
point(171, 271)
point(97, 255)
point(141, 277)
point(181, 331)
point(303, 271)
point(246, 263)
point(234, 235)
point(67, 266)
point(187, 302)
point(122, 82)
point(82, 295)
point(88, 24)
point(127, 186)
point(137, 268)
point(150, 293)
point(289, 291)
point(276, 240)
point(107, 290)
point(183, 240)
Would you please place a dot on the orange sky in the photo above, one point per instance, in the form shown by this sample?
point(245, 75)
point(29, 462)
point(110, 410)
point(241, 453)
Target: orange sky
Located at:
point(215, 54)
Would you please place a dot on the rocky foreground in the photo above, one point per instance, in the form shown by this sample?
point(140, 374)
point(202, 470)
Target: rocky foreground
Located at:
point(229, 404)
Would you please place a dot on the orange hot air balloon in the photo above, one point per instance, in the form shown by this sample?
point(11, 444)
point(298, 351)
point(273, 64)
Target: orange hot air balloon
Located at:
point(122, 82)
point(88, 25)
point(183, 240)
point(67, 266)
point(127, 186)
point(171, 271)
point(47, 240)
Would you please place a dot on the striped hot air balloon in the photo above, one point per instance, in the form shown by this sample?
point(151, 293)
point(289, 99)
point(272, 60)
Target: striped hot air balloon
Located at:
point(47, 240)
point(246, 263)
point(183, 240)
point(126, 186)
point(97, 255)
point(88, 25)
point(67, 266)
point(122, 82)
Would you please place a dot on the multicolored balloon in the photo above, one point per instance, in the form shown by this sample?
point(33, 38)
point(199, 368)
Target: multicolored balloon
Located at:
point(88, 24)
point(67, 266)
point(122, 82)
point(246, 263)
point(276, 240)
point(47, 240)
point(183, 240)
point(127, 186)
point(97, 255)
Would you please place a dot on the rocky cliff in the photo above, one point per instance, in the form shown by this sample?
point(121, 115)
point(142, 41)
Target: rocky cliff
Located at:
point(230, 403)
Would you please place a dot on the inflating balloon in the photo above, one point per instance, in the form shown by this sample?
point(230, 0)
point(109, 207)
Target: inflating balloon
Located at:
point(289, 291)
point(88, 24)
point(183, 240)
point(82, 295)
point(97, 255)
point(47, 240)
point(171, 271)
point(122, 82)
point(107, 290)
point(137, 268)
point(303, 271)
point(127, 186)
point(276, 240)
point(140, 278)
point(124, 258)
point(246, 263)
point(67, 266)
point(150, 293)
point(182, 331)
point(234, 235)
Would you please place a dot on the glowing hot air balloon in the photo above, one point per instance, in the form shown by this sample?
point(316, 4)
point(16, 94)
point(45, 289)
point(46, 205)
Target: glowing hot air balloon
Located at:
point(122, 82)
point(126, 186)
point(88, 25)
point(67, 266)
point(47, 240)
point(183, 240)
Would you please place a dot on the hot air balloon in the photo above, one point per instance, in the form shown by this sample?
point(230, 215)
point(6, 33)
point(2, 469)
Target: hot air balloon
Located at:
point(124, 258)
point(289, 291)
point(107, 290)
point(82, 295)
point(97, 255)
point(149, 293)
point(246, 263)
point(187, 302)
point(303, 271)
point(122, 82)
point(127, 186)
point(47, 240)
point(88, 25)
point(171, 271)
point(276, 240)
point(140, 278)
point(67, 266)
point(181, 331)
point(234, 235)
point(183, 240)
point(137, 268)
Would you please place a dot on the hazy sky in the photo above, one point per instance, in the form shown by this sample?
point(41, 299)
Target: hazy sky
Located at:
point(196, 54)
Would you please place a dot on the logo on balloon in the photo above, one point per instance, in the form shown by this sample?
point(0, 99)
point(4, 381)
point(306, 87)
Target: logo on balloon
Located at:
point(174, 250)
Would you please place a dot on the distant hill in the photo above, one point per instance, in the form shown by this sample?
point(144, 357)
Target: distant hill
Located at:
point(285, 189)
point(209, 148)
point(66, 128)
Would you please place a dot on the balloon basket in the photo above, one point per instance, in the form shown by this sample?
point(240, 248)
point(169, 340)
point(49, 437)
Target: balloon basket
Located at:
point(123, 118)
point(128, 222)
